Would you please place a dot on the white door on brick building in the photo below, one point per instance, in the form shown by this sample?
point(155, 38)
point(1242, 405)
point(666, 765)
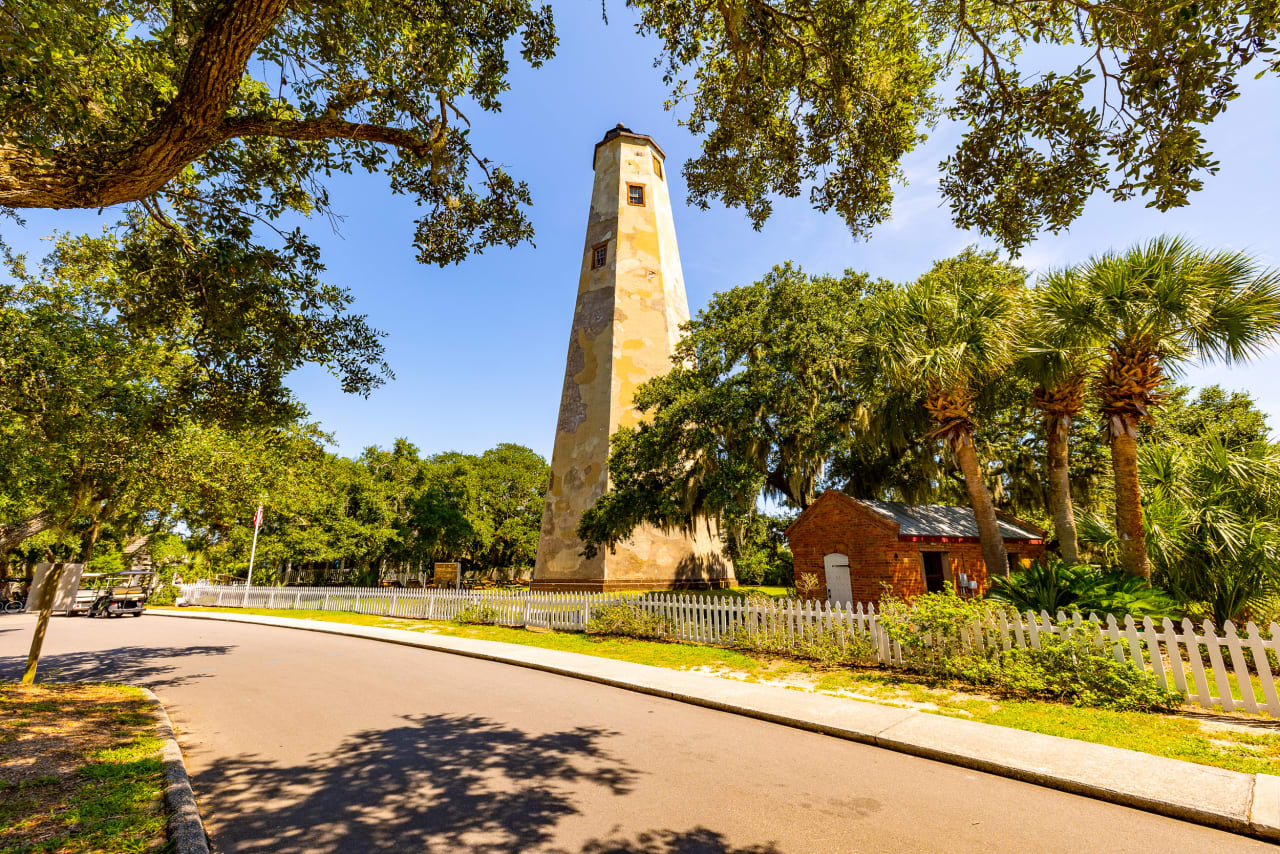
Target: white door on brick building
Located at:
point(839, 588)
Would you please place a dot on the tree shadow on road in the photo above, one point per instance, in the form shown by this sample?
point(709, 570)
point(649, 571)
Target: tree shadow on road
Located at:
point(700, 840)
point(438, 782)
point(153, 667)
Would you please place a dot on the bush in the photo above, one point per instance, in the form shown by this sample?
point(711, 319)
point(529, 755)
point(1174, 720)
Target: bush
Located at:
point(930, 628)
point(1054, 586)
point(828, 648)
point(629, 620)
point(1071, 666)
point(477, 614)
point(165, 594)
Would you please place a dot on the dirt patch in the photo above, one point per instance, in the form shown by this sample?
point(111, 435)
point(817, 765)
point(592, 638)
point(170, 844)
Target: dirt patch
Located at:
point(80, 769)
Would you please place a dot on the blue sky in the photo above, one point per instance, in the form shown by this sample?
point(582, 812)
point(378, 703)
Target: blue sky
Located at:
point(478, 349)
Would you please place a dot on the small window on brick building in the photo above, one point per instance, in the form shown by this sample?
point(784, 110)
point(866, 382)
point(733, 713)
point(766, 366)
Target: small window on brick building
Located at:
point(657, 167)
point(635, 194)
point(599, 253)
point(1015, 562)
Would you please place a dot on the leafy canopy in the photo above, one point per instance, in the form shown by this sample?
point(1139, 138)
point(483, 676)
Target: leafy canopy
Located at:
point(1057, 100)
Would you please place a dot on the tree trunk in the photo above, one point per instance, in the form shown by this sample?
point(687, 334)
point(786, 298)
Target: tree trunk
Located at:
point(1129, 530)
point(88, 540)
point(42, 624)
point(1064, 517)
point(13, 535)
point(984, 511)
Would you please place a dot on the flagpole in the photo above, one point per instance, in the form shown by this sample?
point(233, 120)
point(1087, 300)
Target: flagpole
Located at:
point(257, 523)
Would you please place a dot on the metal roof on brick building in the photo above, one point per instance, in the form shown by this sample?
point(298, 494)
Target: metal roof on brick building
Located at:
point(941, 520)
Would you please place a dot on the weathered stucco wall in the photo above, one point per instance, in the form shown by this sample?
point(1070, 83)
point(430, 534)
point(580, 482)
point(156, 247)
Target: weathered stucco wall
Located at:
point(625, 328)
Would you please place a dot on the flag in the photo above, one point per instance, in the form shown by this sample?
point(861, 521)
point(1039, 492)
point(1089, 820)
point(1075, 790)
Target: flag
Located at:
point(257, 518)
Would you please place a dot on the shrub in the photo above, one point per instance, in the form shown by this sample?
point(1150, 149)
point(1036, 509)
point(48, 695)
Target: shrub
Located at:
point(936, 630)
point(1055, 586)
point(629, 620)
point(931, 628)
point(1073, 668)
point(477, 614)
point(165, 594)
point(827, 648)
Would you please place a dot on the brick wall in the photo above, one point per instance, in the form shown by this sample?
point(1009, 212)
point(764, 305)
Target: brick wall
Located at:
point(836, 523)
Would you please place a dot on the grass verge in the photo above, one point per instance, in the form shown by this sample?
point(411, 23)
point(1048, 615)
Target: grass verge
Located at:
point(1247, 744)
point(80, 770)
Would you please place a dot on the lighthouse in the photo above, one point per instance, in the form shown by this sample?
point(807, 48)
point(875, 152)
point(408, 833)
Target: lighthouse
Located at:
point(630, 307)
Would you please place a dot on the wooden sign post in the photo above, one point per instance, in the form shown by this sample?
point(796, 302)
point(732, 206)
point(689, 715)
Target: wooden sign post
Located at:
point(448, 575)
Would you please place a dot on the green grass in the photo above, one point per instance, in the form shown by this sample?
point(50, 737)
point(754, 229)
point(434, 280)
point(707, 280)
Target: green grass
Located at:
point(1173, 736)
point(106, 782)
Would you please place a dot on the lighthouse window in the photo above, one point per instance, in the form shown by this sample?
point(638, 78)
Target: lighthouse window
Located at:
point(657, 167)
point(598, 254)
point(635, 194)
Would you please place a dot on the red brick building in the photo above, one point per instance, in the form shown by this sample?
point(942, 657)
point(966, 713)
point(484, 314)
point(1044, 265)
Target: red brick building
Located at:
point(847, 549)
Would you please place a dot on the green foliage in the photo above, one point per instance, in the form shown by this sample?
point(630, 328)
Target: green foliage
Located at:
point(957, 327)
point(831, 96)
point(333, 88)
point(757, 545)
point(165, 594)
point(627, 619)
point(1212, 514)
point(936, 632)
point(389, 508)
point(477, 614)
point(930, 628)
point(1053, 586)
point(833, 647)
point(1071, 668)
point(106, 561)
point(755, 402)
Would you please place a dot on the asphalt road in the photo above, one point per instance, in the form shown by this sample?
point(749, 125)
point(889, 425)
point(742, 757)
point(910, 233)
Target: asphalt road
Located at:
point(298, 741)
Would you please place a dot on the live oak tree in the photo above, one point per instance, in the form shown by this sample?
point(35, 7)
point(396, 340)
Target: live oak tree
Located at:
point(760, 395)
point(247, 105)
point(233, 108)
point(214, 125)
point(1057, 99)
point(97, 371)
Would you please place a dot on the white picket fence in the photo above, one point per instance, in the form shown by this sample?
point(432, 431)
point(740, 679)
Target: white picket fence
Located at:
point(1201, 664)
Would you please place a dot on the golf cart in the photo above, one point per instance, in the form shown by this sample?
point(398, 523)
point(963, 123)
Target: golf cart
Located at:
point(112, 594)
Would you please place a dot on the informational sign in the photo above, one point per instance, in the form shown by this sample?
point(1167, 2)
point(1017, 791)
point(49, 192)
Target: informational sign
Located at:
point(448, 575)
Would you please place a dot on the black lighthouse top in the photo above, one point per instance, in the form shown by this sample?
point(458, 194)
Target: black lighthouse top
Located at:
point(622, 130)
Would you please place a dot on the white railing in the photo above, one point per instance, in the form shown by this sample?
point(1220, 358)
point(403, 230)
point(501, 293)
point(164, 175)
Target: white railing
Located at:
point(1202, 663)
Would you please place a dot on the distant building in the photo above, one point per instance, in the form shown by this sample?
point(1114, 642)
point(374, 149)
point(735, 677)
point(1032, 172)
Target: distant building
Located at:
point(853, 548)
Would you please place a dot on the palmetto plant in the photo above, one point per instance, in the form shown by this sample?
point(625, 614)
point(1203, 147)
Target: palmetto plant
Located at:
point(1213, 523)
point(946, 335)
point(1055, 586)
point(1151, 309)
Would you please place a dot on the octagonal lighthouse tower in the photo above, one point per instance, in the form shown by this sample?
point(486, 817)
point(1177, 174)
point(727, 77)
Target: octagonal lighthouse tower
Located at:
point(631, 303)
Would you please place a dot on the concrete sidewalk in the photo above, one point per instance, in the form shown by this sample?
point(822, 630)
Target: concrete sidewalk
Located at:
point(1242, 803)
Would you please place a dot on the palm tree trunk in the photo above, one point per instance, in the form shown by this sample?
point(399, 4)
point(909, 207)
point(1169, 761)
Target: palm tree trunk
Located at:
point(1064, 517)
point(984, 511)
point(1129, 530)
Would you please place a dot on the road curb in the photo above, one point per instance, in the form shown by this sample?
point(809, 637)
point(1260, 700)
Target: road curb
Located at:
point(1248, 804)
point(186, 830)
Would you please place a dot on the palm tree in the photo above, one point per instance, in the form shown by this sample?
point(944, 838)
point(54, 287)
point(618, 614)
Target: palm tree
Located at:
point(1059, 357)
point(1157, 306)
point(949, 333)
